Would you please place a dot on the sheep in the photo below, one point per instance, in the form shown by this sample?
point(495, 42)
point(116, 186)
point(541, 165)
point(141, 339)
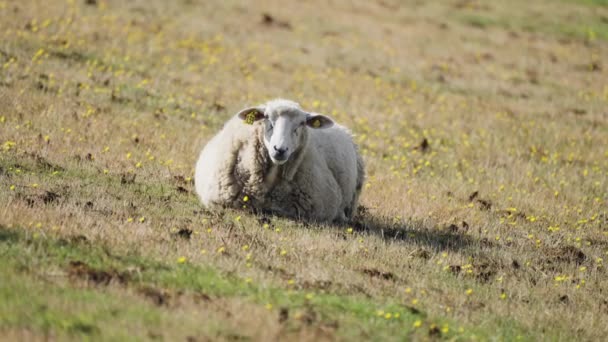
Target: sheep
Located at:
point(278, 158)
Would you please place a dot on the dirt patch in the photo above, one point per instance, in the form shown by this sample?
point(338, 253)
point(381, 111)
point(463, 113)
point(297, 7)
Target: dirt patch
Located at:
point(159, 297)
point(484, 204)
point(552, 258)
point(40, 198)
point(482, 271)
point(412, 309)
point(424, 145)
point(309, 316)
point(316, 284)
point(455, 229)
point(127, 178)
point(80, 270)
point(200, 297)
point(270, 21)
point(421, 253)
point(78, 239)
point(49, 197)
point(569, 254)
point(184, 233)
point(473, 196)
point(375, 273)
point(284, 274)
point(182, 180)
point(166, 298)
point(283, 315)
point(604, 306)
point(434, 331)
point(455, 269)
point(485, 272)
point(43, 163)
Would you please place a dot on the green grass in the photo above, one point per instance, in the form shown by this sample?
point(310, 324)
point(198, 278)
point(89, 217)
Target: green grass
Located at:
point(46, 307)
point(479, 21)
point(62, 311)
point(593, 2)
point(579, 24)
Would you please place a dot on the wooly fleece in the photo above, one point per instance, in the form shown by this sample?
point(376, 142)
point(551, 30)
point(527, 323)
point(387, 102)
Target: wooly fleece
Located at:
point(321, 181)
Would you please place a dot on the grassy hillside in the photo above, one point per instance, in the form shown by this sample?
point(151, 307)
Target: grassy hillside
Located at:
point(484, 127)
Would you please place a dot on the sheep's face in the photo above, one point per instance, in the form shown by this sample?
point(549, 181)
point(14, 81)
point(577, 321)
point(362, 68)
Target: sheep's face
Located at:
point(285, 128)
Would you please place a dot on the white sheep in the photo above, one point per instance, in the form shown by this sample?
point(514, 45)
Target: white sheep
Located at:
point(278, 158)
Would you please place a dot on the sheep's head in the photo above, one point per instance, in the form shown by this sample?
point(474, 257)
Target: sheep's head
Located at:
point(285, 126)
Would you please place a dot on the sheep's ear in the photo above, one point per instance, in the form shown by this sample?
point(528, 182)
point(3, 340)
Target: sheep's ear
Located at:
point(251, 115)
point(319, 121)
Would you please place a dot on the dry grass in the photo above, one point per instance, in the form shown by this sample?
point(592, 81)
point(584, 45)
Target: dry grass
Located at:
point(484, 127)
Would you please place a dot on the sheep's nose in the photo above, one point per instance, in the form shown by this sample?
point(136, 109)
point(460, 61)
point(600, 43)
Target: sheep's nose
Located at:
point(280, 150)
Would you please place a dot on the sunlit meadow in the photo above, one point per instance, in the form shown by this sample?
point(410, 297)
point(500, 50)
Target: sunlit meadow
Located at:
point(483, 124)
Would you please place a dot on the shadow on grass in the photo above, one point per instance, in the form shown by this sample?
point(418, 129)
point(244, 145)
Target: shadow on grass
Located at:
point(410, 232)
point(416, 233)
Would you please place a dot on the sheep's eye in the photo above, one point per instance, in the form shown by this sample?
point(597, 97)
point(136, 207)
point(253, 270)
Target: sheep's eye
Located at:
point(270, 124)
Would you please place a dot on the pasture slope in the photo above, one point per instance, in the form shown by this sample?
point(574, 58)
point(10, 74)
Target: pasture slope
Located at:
point(484, 125)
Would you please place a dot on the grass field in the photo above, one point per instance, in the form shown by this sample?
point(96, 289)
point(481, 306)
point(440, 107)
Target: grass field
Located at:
point(483, 124)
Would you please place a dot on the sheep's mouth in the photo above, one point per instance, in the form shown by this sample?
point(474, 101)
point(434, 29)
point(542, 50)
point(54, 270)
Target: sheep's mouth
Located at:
point(279, 160)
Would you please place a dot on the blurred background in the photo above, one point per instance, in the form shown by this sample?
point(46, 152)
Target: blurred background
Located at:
point(483, 124)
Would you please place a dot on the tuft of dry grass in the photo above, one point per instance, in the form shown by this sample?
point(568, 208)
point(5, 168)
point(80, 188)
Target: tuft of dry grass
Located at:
point(483, 126)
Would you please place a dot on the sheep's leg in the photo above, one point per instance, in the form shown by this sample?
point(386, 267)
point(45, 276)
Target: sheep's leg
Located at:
point(343, 216)
point(358, 187)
